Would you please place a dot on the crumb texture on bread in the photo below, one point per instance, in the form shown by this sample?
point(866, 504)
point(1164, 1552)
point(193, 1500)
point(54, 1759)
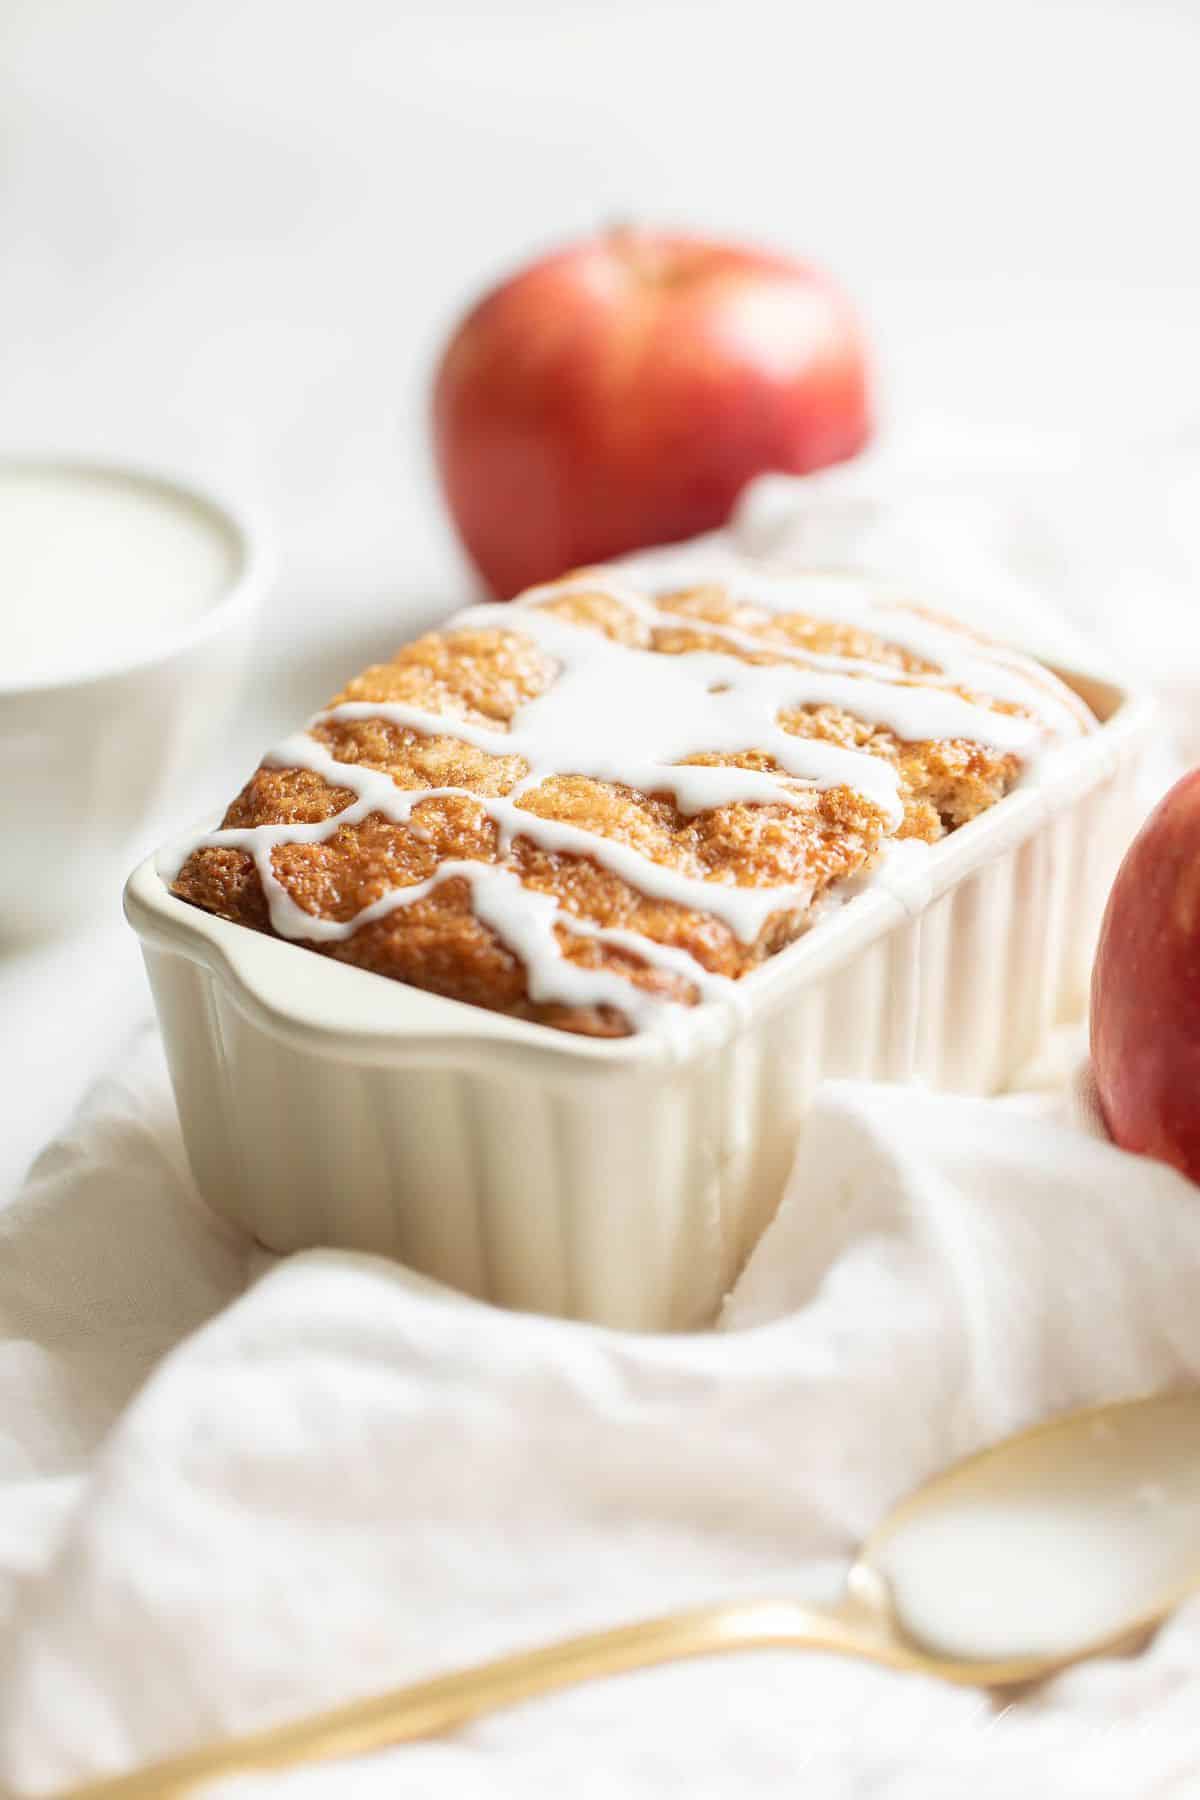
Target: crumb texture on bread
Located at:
point(617, 795)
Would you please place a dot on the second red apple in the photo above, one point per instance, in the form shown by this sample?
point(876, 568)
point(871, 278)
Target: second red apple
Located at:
point(1146, 988)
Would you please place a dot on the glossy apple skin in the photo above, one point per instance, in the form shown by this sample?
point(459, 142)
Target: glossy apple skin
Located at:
point(622, 391)
point(1146, 988)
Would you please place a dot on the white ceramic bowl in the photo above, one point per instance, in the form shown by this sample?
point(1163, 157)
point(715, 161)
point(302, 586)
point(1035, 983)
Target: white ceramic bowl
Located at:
point(89, 753)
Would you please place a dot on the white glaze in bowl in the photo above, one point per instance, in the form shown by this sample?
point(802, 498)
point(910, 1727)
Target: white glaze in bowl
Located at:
point(96, 723)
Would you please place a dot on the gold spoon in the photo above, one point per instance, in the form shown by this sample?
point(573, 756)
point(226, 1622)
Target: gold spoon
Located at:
point(1066, 1541)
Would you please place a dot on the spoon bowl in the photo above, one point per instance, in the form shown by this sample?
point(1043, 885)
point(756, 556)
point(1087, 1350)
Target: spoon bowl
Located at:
point(1072, 1539)
point(1053, 1544)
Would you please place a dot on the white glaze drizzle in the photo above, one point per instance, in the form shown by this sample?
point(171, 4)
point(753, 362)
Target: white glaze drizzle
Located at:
point(744, 909)
point(754, 693)
point(839, 596)
point(663, 708)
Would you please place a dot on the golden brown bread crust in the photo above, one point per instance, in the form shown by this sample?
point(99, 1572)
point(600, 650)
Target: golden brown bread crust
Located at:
point(483, 676)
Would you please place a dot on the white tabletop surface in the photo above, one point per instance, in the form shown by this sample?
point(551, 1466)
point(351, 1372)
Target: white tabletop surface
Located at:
point(233, 236)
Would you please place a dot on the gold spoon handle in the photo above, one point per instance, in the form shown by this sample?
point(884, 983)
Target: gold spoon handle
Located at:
point(429, 1707)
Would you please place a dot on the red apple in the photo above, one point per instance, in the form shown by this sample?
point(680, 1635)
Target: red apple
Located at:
point(1146, 988)
point(622, 391)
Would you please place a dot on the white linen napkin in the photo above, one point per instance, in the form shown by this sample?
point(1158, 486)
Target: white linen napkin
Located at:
point(348, 1478)
point(232, 1490)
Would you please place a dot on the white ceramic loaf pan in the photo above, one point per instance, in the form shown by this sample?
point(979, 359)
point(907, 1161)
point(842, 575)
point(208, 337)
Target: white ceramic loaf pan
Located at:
point(624, 1181)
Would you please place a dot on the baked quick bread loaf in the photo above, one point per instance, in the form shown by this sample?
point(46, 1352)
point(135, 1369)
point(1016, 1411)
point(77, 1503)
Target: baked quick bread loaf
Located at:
point(613, 798)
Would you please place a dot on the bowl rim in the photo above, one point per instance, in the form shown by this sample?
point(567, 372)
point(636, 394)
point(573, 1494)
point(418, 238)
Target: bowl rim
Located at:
point(245, 523)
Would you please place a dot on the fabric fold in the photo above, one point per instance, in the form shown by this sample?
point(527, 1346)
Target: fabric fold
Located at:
point(349, 1477)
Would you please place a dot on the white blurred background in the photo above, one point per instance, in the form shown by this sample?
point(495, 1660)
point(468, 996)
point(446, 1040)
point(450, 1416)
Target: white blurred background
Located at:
point(233, 234)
